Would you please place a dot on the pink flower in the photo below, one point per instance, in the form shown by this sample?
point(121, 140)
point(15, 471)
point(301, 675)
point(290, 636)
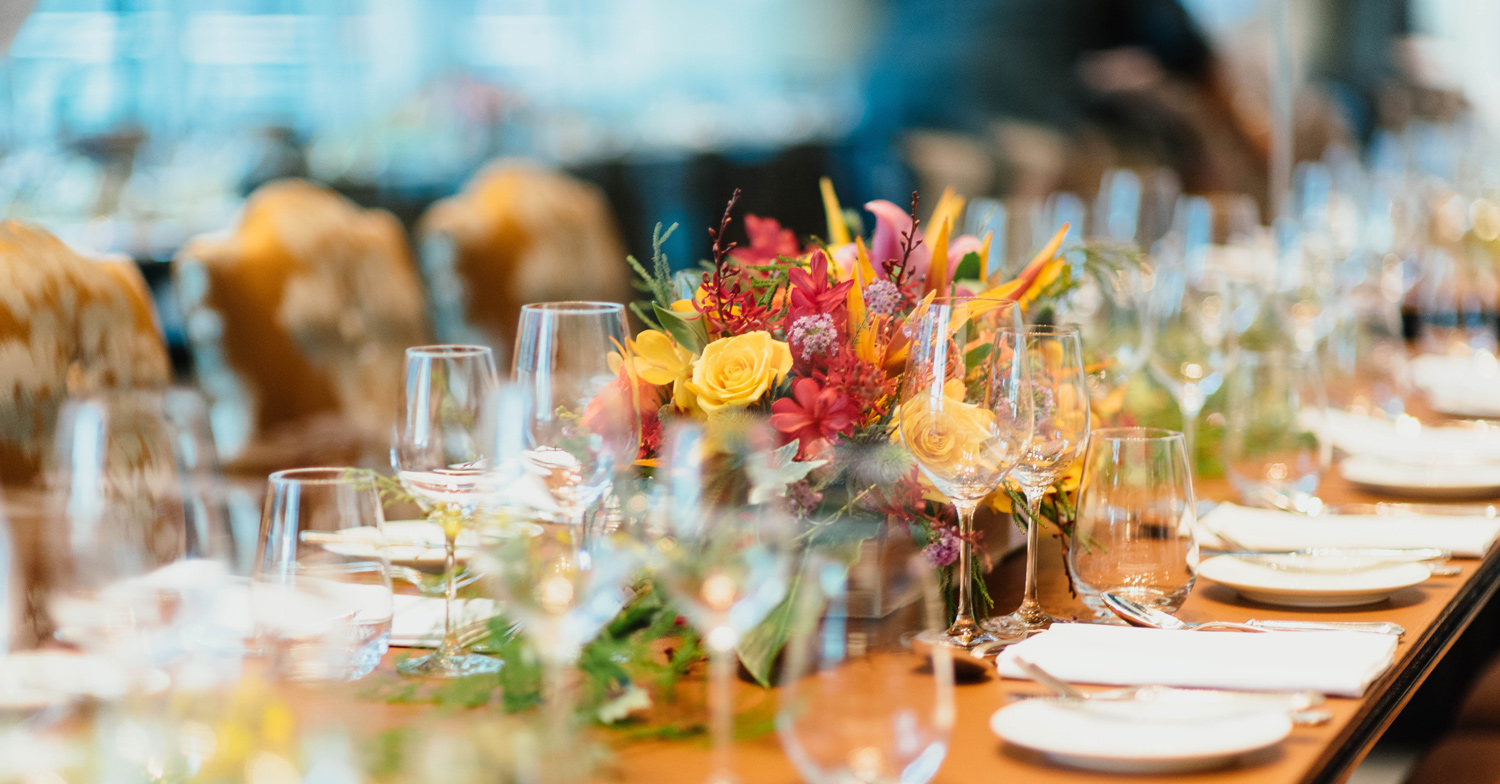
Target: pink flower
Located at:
point(813, 415)
point(811, 293)
point(892, 223)
point(767, 241)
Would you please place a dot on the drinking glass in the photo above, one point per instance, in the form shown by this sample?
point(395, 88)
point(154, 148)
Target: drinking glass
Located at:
point(320, 591)
point(1135, 530)
point(1272, 449)
point(965, 416)
point(1192, 316)
point(144, 546)
point(582, 424)
point(859, 702)
point(1060, 423)
point(562, 588)
point(444, 455)
point(725, 557)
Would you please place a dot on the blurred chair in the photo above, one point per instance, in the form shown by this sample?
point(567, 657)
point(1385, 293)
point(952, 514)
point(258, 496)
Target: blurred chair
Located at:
point(298, 321)
point(69, 326)
point(517, 234)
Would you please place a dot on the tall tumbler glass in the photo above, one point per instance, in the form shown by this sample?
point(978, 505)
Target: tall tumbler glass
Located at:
point(320, 591)
point(1274, 452)
point(1135, 533)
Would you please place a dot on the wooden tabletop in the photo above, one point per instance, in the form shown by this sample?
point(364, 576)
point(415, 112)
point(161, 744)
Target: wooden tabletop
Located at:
point(1434, 614)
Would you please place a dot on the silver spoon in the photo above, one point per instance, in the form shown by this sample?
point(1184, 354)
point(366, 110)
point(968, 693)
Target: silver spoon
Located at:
point(1138, 614)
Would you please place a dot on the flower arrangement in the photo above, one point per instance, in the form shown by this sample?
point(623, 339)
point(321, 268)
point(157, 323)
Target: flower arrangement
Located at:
point(812, 336)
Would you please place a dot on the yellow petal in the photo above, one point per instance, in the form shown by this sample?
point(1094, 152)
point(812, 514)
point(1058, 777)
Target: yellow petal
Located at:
point(950, 205)
point(984, 254)
point(838, 231)
point(937, 271)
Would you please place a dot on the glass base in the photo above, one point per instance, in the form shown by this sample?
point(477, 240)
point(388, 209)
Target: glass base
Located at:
point(961, 642)
point(1017, 627)
point(436, 665)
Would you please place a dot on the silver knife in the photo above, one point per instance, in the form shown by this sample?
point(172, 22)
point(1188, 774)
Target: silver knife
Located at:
point(1377, 627)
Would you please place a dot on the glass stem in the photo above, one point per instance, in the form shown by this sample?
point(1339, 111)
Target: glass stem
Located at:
point(721, 664)
point(1031, 610)
point(557, 698)
point(964, 627)
point(1192, 406)
point(450, 647)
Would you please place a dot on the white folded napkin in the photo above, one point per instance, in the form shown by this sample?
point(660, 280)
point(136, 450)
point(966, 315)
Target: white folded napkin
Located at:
point(1270, 529)
point(1407, 441)
point(418, 620)
point(1338, 663)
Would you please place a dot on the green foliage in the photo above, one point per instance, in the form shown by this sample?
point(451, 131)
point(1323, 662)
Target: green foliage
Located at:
point(968, 267)
point(690, 334)
point(657, 282)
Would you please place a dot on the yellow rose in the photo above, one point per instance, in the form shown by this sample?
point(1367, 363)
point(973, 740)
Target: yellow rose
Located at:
point(658, 359)
point(945, 437)
point(737, 371)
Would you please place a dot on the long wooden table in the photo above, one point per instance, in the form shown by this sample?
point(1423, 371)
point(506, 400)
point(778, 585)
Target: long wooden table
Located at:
point(1434, 614)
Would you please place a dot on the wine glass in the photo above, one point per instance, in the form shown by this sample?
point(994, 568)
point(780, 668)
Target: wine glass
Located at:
point(965, 416)
point(1273, 452)
point(1060, 417)
point(582, 424)
point(859, 702)
point(320, 591)
point(444, 455)
point(144, 549)
point(725, 556)
point(1192, 316)
point(1135, 532)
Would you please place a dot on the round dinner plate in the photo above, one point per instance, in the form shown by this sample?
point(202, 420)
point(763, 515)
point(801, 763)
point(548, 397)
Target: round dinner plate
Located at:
point(1290, 586)
point(1424, 480)
point(1172, 734)
point(414, 541)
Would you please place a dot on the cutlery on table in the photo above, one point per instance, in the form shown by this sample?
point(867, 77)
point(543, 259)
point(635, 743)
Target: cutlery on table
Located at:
point(1379, 556)
point(1138, 614)
point(1298, 705)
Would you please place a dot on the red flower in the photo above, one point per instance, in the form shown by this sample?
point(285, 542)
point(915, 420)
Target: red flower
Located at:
point(767, 241)
point(811, 292)
point(812, 415)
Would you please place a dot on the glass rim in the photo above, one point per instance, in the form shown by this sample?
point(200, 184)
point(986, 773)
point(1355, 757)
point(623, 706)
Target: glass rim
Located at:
point(1051, 330)
point(316, 475)
point(1137, 434)
point(448, 350)
point(573, 306)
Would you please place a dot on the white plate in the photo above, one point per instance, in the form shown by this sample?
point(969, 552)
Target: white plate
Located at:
point(1259, 580)
point(1425, 480)
point(32, 680)
point(1174, 734)
point(415, 542)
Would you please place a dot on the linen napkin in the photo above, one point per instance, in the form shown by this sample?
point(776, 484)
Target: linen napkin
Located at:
point(1338, 663)
point(1408, 441)
point(417, 621)
point(1463, 386)
point(1271, 529)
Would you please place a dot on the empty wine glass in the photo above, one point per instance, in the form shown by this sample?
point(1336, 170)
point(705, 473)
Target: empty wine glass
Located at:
point(1190, 303)
point(1272, 448)
point(444, 455)
point(582, 424)
point(859, 702)
point(1060, 417)
point(725, 557)
point(144, 546)
point(1134, 533)
point(320, 591)
point(965, 416)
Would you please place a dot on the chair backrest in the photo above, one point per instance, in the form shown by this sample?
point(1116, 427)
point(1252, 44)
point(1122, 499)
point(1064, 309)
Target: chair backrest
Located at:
point(517, 234)
point(68, 326)
point(303, 311)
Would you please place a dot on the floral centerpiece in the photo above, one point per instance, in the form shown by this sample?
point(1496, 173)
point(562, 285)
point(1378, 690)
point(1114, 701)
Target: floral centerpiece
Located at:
point(812, 335)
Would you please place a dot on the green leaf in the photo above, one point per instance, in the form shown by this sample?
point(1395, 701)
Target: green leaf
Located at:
point(691, 335)
point(968, 267)
point(759, 648)
point(977, 355)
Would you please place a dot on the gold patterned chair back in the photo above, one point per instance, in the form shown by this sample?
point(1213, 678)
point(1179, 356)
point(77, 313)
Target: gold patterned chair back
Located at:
point(517, 234)
point(68, 326)
point(301, 314)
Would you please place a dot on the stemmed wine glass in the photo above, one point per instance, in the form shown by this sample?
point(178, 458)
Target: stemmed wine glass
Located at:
point(965, 416)
point(581, 426)
point(1060, 413)
point(444, 455)
point(1192, 317)
point(725, 557)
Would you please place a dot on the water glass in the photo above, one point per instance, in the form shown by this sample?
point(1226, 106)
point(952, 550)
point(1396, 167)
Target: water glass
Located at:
point(1273, 452)
point(1135, 531)
point(859, 701)
point(320, 592)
